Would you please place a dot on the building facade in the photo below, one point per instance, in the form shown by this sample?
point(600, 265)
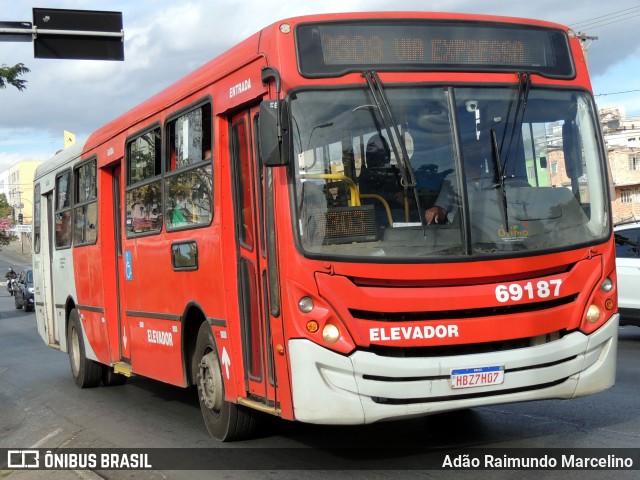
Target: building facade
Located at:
point(17, 184)
point(622, 137)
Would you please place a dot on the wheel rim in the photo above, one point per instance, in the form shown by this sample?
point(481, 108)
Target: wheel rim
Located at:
point(75, 351)
point(210, 382)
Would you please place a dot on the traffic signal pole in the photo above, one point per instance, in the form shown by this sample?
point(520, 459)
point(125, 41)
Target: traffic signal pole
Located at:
point(99, 34)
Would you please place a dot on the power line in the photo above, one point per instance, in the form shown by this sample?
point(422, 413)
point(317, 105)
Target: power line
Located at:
point(613, 21)
point(615, 93)
point(607, 17)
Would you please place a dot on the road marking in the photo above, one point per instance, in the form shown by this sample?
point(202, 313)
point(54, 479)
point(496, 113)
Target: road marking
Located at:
point(45, 438)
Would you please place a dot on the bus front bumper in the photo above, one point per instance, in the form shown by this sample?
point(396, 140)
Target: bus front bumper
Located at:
point(329, 388)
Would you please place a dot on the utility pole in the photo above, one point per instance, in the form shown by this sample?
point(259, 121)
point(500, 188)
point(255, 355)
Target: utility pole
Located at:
point(583, 37)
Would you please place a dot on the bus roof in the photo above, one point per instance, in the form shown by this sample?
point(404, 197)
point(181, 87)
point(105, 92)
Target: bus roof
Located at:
point(61, 158)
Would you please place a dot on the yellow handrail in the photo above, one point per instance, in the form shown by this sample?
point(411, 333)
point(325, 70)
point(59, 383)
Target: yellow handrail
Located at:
point(353, 189)
point(384, 204)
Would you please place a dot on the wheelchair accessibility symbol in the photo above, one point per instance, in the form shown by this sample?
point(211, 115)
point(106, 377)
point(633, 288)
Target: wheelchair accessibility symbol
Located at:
point(128, 267)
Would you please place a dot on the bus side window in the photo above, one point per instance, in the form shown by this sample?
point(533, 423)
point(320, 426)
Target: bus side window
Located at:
point(63, 210)
point(36, 218)
point(143, 193)
point(189, 180)
point(86, 204)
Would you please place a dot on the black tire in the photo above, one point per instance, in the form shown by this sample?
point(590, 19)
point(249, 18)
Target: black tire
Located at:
point(225, 421)
point(86, 373)
point(111, 378)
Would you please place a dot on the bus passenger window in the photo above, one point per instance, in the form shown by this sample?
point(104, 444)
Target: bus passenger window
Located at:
point(143, 193)
point(86, 204)
point(189, 180)
point(36, 218)
point(63, 211)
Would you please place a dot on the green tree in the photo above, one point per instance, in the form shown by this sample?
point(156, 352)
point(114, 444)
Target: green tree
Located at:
point(9, 76)
point(6, 210)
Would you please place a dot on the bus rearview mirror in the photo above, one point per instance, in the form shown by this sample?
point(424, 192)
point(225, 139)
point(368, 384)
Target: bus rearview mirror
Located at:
point(274, 141)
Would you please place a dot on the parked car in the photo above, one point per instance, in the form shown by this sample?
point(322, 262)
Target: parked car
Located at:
point(627, 237)
point(24, 296)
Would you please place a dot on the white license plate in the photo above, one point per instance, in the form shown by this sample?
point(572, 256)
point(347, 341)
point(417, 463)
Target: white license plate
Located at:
point(477, 377)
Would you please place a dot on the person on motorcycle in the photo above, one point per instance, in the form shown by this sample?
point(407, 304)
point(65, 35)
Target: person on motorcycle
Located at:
point(10, 275)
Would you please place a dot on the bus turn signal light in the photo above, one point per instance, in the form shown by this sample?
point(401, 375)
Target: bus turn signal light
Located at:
point(593, 313)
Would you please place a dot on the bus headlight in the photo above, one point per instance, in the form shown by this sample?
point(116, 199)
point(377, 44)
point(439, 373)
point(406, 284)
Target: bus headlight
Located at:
point(305, 304)
point(607, 285)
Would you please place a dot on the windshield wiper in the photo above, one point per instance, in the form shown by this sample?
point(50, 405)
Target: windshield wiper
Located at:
point(399, 149)
point(524, 84)
point(498, 180)
point(500, 171)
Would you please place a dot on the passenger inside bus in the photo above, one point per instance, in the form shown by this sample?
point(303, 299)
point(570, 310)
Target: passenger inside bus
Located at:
point(378, 176)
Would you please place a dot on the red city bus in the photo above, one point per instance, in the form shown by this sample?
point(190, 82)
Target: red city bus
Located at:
point(343, 219)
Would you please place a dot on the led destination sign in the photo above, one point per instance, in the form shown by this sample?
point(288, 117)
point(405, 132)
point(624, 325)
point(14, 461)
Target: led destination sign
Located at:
point(337, 48)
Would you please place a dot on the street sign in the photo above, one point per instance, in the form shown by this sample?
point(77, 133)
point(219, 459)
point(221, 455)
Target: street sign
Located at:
point(78, 34)
point(21, 228)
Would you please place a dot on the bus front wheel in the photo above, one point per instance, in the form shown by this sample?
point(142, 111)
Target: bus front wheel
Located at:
point(225, 421)
point(86, 373)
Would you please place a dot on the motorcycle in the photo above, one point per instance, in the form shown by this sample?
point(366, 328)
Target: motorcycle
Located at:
point(11, 283)
point(13, 288)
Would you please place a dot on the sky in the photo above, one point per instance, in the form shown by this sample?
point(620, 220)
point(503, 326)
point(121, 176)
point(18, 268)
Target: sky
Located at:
point(165, 40)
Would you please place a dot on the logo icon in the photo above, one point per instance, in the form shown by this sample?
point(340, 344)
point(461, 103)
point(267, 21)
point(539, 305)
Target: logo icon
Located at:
point(23, 459)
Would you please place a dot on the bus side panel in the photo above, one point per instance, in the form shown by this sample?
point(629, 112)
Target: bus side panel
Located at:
point(64, 289)
point(154, 295)
point(89, 294)
point(155, 349)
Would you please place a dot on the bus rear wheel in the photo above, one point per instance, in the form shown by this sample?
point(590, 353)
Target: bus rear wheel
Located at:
point(225, 421)
point(86, 373)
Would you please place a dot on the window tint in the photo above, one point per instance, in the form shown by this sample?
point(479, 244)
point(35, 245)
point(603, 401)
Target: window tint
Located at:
point(63, 211)
point(144, 157)
point(143, 194)
point(627, 243)
point(36, 218)
point(189, 138)
point(86, 205)
point(243, 181)
point(189, 181)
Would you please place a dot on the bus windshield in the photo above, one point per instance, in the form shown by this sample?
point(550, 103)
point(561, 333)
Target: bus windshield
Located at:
point(498, 171)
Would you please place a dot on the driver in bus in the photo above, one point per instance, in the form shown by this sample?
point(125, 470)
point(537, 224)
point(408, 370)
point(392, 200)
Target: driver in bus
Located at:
point(477, 177)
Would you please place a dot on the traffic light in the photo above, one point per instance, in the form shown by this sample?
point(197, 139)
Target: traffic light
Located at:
point(20, 218)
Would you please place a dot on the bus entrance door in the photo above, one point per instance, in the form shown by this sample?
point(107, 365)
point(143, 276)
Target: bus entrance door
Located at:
point(248, 194)
point(51, 325)
point(124, 333)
